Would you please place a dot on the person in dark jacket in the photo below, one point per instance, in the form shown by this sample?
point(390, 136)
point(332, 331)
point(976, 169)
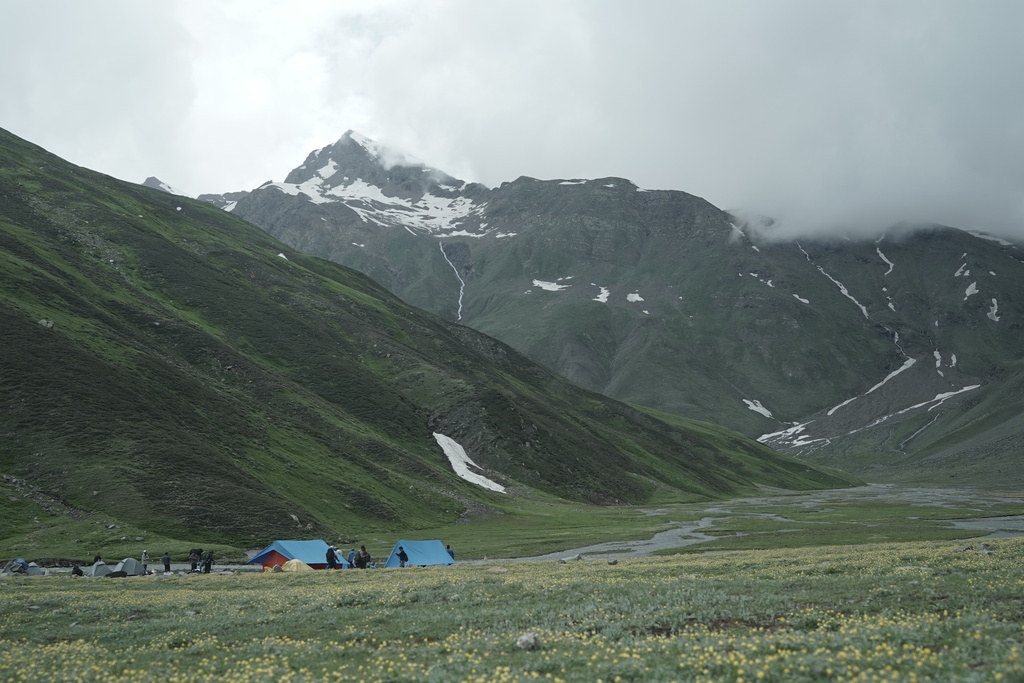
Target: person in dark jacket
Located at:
point(167, 562)
point(363, 558)
point(403, 557)
point(332, 558)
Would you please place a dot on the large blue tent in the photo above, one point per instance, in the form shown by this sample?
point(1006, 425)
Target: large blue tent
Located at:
point(313, 553)
point(421, 553)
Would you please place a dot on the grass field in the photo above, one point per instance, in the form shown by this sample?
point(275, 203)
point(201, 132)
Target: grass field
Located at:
point(539, 525)
point(918, 611)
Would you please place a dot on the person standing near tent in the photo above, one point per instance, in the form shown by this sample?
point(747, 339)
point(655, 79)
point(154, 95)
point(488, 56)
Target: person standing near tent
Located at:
point(351, 557)
point(450, 551)
point(167, 562)
point(403, 557)
point(145, 561)
point(207, 561)
point(363, 558)
point(332, 558)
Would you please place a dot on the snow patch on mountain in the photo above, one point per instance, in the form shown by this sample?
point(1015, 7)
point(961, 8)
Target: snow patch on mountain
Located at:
point(634, 297)
point(461, 463)
point(550, 286)
point(795, 436)
point(837, 283)
point(992, 312)
point(890, 263)
point(801, 299)
point(845, 292)
point(430, 213)
point(756, 406)
point(603, 296)
point(939, 399)
point(791, 436)
point(992, 238)
point(971, 290)
point(907, 364)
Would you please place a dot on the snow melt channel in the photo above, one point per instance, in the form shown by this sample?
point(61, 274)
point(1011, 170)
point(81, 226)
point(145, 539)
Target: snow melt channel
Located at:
point(462, 283)
point(461, 463)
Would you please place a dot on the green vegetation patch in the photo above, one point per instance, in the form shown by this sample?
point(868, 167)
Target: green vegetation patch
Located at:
point(909, 611)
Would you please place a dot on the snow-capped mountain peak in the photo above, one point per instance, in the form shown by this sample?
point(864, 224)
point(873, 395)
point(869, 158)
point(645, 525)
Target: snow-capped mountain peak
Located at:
point(384, 187)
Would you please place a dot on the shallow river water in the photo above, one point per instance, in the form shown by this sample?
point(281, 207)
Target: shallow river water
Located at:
point(684, 534)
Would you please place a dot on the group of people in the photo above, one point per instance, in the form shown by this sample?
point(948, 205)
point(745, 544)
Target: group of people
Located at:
point(199, 560)
point(166, 559)
point(362, 559)
point(356, 559)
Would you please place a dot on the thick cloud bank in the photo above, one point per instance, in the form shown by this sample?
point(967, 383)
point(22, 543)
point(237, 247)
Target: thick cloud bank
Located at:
point(841, 116)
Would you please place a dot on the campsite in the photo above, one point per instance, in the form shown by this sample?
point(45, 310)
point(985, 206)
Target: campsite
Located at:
point(762, 596)
point(927, 586)
point(941, 610)
point(306, 555)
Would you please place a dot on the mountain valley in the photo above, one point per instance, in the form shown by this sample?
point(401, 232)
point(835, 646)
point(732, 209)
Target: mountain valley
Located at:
point(898, 357)
point(172, 369)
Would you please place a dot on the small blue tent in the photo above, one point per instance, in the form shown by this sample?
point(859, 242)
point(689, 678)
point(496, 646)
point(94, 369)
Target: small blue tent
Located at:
point(313, 553)
point(421, 553)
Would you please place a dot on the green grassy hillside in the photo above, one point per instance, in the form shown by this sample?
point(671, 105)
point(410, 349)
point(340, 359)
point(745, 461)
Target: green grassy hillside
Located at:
point(168, 366)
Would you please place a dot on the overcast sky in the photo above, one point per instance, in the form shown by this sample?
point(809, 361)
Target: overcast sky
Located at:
point(827, 115)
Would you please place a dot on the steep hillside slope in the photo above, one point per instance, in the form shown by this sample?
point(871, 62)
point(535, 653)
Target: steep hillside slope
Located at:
point(836, 349)
point(167, 363)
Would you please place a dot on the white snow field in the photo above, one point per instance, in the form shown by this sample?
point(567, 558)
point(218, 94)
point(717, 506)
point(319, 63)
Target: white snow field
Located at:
point(461, 463)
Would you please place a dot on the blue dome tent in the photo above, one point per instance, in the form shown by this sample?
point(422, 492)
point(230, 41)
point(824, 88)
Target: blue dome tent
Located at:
point(421, 554)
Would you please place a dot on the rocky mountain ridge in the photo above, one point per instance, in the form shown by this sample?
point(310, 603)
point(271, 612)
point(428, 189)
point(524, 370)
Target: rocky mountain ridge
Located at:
point(863, 353)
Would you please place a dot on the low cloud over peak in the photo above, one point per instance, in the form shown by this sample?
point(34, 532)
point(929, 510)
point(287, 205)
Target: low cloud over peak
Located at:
point(840, 116)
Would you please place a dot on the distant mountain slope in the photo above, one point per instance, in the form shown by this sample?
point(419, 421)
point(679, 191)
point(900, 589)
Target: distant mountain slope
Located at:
point(836, 349)
point(167, 363)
